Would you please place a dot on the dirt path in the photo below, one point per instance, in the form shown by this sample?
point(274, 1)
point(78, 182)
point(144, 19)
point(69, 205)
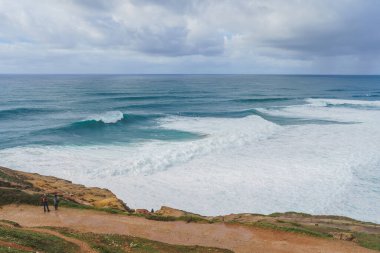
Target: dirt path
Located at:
point(237, 238)
point(84, 247)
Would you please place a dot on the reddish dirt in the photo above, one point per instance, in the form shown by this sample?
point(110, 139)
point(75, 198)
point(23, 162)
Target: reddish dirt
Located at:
point(238, 238)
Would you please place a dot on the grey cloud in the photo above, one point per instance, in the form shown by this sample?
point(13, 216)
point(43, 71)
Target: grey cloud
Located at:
point(173, 42)
point(219, 35)
point(99, 5)
point(354, 32)
point(178, 6)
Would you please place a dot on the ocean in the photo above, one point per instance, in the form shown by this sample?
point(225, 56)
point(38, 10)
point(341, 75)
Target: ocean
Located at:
point(209, 144)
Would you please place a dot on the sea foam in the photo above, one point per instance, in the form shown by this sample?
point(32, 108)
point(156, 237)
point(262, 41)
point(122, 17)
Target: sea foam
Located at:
point(107, 117)
point(240, 165)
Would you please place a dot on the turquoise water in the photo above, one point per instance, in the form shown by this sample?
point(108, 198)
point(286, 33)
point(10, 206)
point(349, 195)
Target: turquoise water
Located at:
point(62, 109)
point(241, 143)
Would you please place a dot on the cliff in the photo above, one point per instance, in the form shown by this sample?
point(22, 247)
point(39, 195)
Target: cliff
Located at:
point(35, 184)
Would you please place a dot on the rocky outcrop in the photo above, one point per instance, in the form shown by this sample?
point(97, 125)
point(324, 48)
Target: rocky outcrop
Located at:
point(35, 183)
point(345, 236)
point(168, 211)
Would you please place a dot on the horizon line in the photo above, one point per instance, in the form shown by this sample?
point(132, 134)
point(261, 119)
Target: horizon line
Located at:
point(215, 74)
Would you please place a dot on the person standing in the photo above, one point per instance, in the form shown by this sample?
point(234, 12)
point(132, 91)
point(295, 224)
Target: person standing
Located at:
point(56, 201)
point(45, 203)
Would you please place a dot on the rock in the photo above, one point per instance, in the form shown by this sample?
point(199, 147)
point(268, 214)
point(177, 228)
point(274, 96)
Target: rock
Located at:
point(345, 236)
point(142, 211)
point(168, 211)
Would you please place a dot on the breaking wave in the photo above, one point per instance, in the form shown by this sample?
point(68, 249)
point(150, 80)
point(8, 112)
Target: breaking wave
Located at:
point(239, 164)
point(107, 118)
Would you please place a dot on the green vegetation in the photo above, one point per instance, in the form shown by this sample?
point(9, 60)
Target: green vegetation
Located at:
point(113, 243)
point(14, 179)
point(186, 218)
point(192, 218)
point(36, 241)
point(370, 241)
point(14, 224)
point(4, 249)
point(286, 214)
point(161, 218)
point(291, 227)
point(16, 196)
point(71, 204)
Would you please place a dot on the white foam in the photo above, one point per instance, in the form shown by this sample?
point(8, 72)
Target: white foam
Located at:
point(319, 109)
point(241, 165)
point(326, 102)
point(107, 117)
point(151, 157)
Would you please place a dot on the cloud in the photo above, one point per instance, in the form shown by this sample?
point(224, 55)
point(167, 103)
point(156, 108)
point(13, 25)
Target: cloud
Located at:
point(192, 36)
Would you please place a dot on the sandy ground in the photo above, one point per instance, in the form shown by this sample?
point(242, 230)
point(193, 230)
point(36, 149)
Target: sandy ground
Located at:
point(238, 238)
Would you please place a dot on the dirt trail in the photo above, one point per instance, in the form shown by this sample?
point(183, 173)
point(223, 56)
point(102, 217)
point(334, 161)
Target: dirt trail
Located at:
point(240, 239)
point(84, 248)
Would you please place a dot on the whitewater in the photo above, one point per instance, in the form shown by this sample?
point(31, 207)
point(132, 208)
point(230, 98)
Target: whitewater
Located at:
point(313, 149)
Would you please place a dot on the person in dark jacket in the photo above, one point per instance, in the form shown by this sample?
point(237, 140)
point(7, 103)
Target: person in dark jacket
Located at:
point(45, 203)
point(56, 201)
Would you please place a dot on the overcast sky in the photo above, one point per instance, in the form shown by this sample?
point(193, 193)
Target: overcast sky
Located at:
point(190, 36)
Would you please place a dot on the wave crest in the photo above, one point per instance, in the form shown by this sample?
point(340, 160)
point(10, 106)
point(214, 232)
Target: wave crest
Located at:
point(110, 117)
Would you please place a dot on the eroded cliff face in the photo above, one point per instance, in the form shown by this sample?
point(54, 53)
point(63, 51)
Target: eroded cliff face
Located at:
point(33, 183)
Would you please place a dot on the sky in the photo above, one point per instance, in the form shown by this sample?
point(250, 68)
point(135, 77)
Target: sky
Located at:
point(190, 36)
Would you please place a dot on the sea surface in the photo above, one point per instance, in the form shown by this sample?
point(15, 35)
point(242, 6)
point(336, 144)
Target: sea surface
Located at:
point(210, 144)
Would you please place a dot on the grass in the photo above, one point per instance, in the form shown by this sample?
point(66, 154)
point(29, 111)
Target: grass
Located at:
point(186, 218)
point(113, 243)
point(37, 241)
point(9, 178)
point(4, 249)
point(14, 224)
point(71, 204)
point(291, 227)
point(290, 214)
point(161, 218)
point(16, 196)
point(370, 241)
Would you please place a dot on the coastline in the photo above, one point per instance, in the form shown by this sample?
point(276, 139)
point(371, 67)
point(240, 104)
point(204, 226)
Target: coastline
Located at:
point(28, 187)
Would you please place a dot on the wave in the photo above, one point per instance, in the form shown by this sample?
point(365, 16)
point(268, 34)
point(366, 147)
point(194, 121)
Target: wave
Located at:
point(109, 127)
point(107, 118)
point(247, 157)
point(142, 98)
point(366, 96)
point(342, 102)
point(15, 112)
point(261, 100)
point(111, 118)
point(330, 111)
point(336, 90)
point(109, 93)
point(218, 135)
point(227, 114)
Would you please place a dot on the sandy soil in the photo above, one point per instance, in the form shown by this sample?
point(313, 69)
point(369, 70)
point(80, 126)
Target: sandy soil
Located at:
point(238, 238)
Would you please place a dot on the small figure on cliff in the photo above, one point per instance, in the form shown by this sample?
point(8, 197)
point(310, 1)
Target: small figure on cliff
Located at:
point(56, 201)
point(45, 203)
